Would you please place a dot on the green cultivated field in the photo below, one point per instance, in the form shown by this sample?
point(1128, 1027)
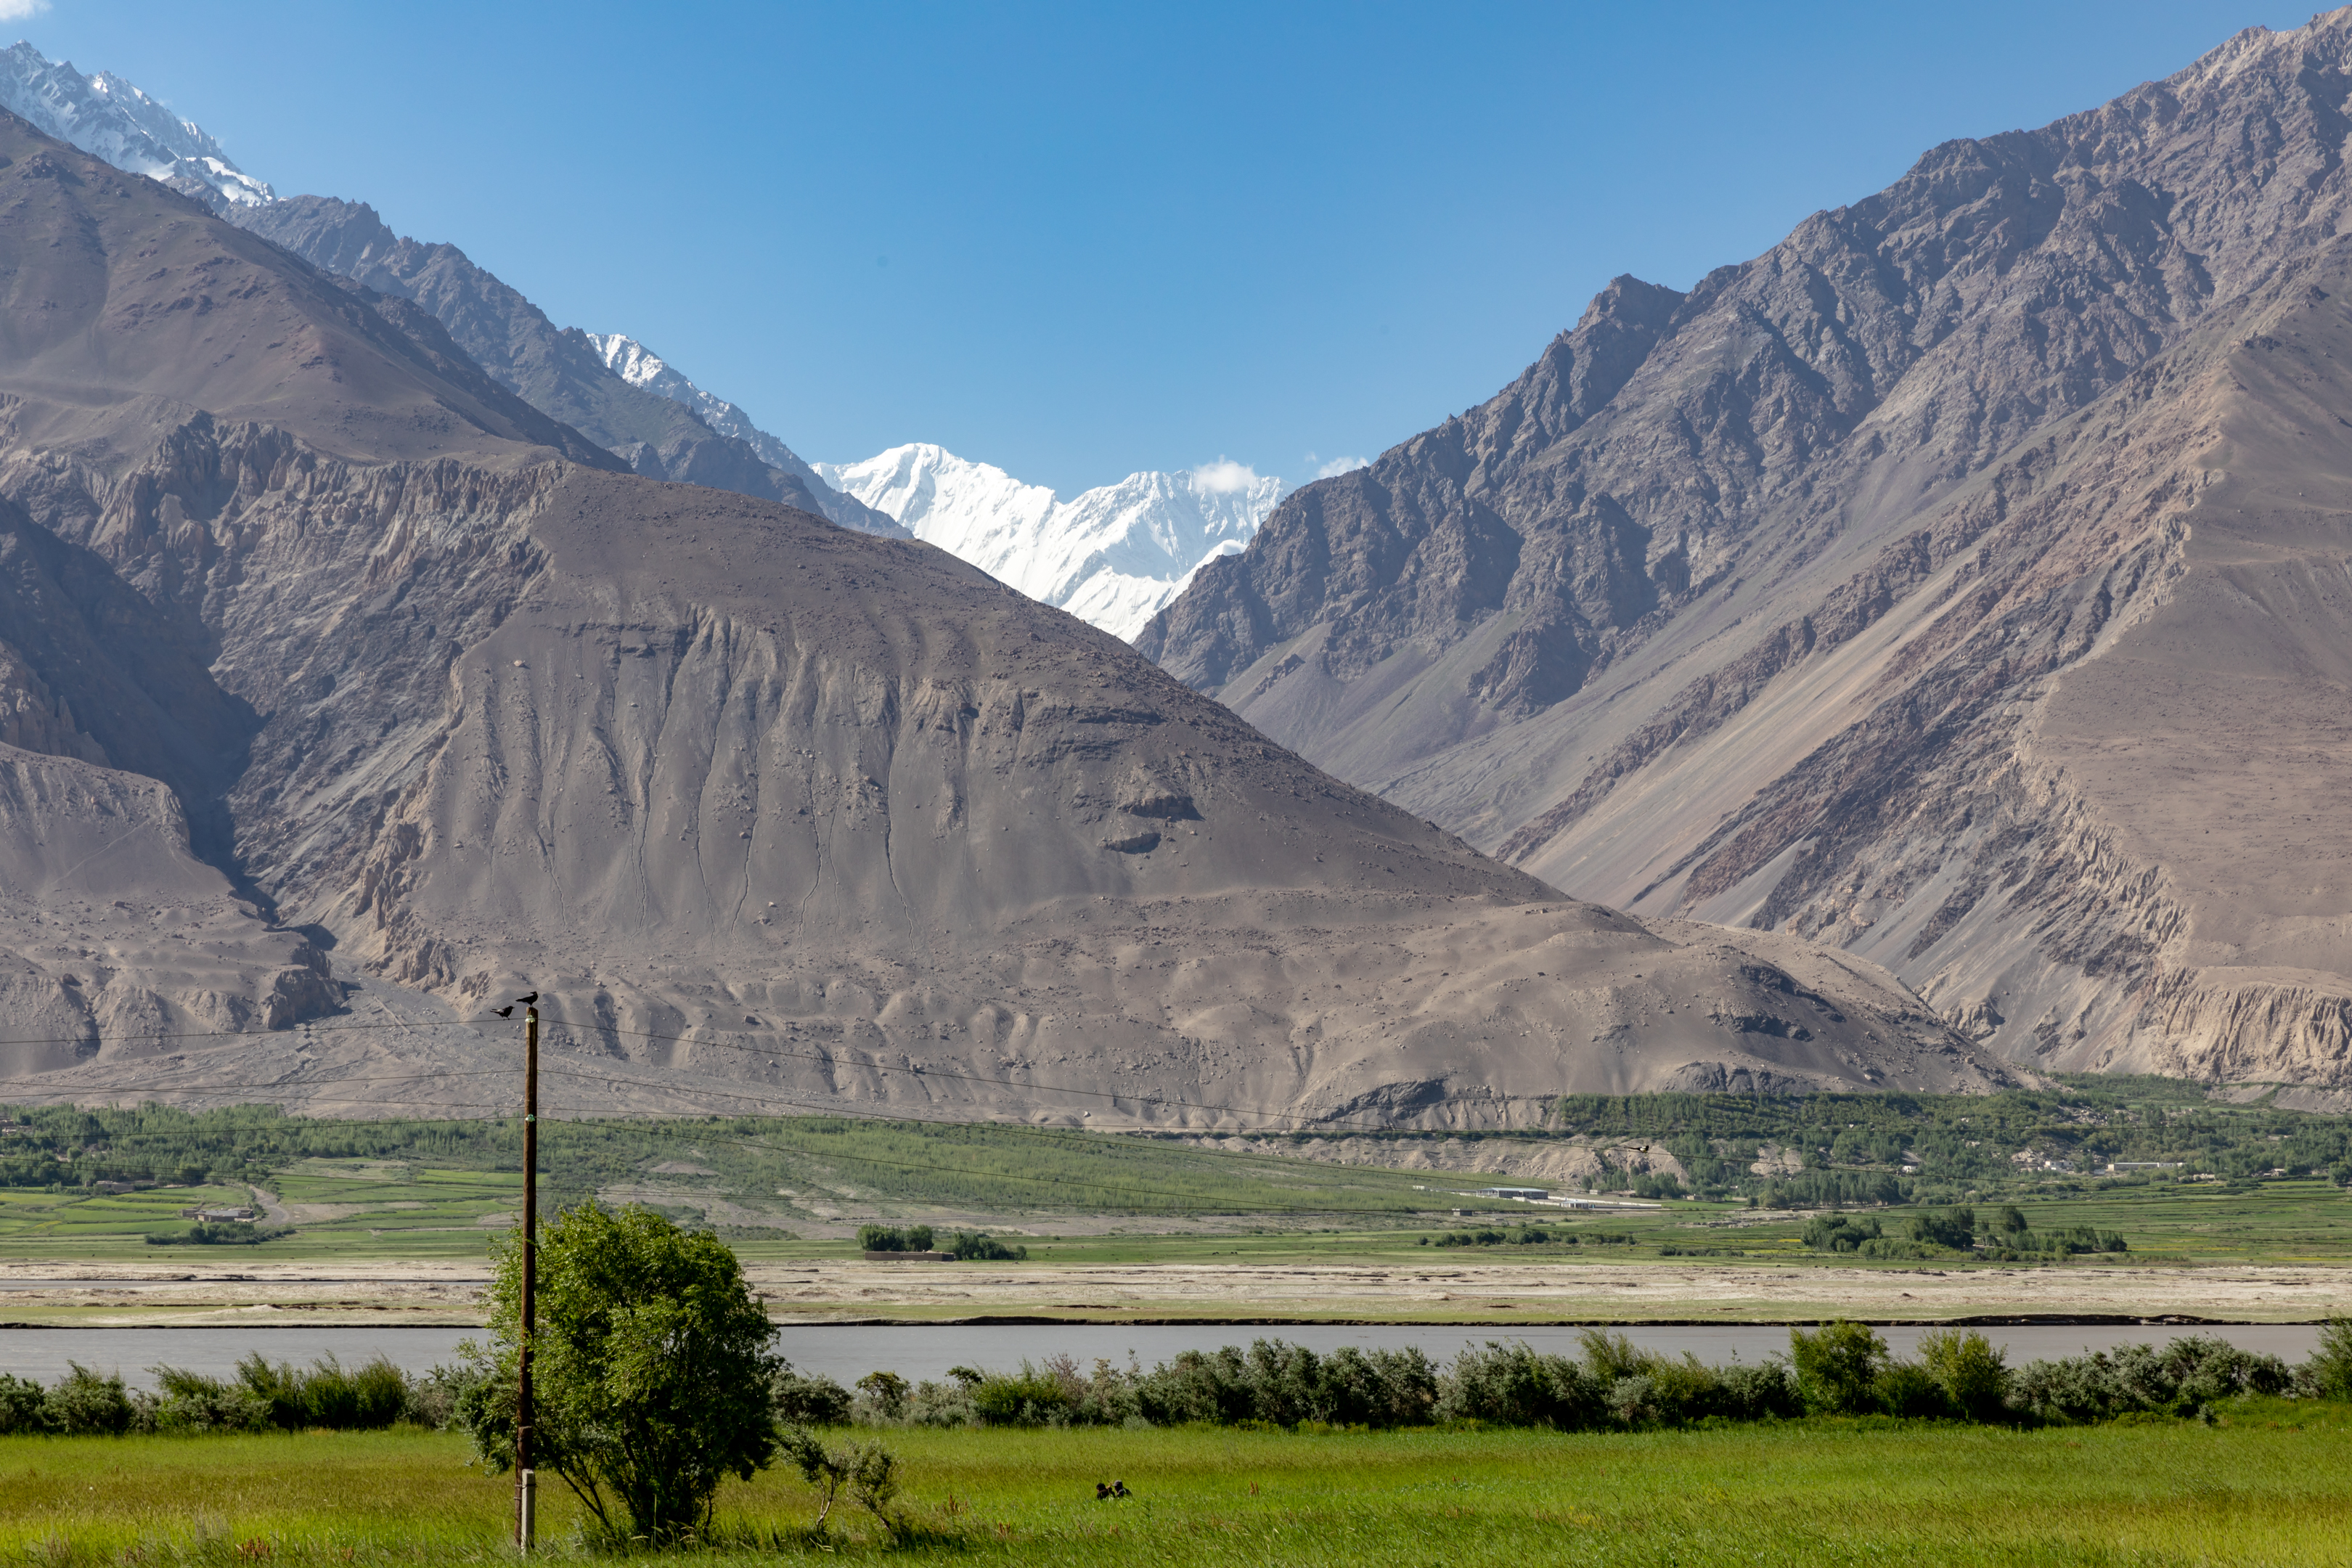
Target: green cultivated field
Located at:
point(422, 1190)
point(387, 1210)
point(2272, 1483)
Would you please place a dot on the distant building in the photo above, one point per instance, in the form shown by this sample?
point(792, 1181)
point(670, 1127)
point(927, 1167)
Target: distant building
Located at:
point(2145, 1164)
point(1523, 1195)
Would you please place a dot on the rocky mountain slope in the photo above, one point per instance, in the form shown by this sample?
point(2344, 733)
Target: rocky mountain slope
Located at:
point(1111, 556)
point(772, 813)
point(1966, 582)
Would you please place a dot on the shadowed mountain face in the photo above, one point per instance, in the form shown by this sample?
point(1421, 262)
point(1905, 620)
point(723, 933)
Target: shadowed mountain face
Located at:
point(1966, 582)
point(761, 806)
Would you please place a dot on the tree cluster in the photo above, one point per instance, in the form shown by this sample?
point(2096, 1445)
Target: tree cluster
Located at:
point(1842, 1369)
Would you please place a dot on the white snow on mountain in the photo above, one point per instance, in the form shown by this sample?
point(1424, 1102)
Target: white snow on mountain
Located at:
point(640, 366)
point(106, 116)
point(1113, 555)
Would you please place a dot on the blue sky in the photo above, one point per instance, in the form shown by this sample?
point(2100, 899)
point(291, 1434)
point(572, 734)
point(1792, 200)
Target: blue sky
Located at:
point(1081, 241)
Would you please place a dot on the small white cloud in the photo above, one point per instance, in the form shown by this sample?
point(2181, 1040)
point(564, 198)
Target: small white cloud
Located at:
point(21, 10)
point(1222, 477)
point(1339, 466)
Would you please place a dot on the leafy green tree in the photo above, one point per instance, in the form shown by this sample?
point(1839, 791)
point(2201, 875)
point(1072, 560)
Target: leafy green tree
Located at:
point(1836, 1365)
point(1954, 1228)
point(2329, 1371)
point(651, 1370)
point(1972, 1372)
point(886, 1392)
point(1839, 1232)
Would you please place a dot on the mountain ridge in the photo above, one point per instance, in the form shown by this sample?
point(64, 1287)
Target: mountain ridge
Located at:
point(767, 810)
point(1766, 602)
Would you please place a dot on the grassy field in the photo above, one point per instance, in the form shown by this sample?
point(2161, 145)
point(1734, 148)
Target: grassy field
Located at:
point(2272, 1483)
point(370, 1209)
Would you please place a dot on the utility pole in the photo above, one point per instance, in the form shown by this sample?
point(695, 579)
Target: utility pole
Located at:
point(526, 1480)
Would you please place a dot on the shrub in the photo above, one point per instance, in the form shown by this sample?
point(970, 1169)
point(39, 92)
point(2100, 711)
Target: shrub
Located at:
point(1906, 1388)
point(2186, 1376)
point(1836, 1366)
point(1509, 1384)
point(881, 1397)
point(942, 1404)
point(887, 1239)
point(1028, 1398)
point(367, 1398)
point(803, 1399)
point(22, 1403)
point(1278, 1383)
point(1973, 1374)
point(190, 1402)
point(436, 1399)
point(224, 1233)
point(1761, 1391)
point(969, 1245)
point(84, 1404)
point(2326, 1375)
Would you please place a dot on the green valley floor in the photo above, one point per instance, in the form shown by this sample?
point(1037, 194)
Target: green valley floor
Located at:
point(2270, 1483)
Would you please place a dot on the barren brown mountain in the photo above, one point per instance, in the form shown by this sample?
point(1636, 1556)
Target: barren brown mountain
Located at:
point(1966, 582)
point(346, 690)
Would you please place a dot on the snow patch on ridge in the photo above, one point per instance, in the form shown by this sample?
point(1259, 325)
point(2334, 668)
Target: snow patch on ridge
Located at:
point(641, 367)
point(107, 117)
point(1112, 555)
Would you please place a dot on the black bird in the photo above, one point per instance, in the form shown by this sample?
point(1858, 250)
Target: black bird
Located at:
point(527, 1001)
point(505, 1012)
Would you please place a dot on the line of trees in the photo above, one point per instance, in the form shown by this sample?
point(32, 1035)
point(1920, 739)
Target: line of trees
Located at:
point(2005, 1236)
point(260, 1397)
point(1838, 1369)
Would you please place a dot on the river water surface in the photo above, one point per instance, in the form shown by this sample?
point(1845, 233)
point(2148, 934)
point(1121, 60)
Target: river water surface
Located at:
point(848, 1352)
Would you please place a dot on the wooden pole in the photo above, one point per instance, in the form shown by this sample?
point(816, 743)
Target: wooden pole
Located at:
point(526, 1489)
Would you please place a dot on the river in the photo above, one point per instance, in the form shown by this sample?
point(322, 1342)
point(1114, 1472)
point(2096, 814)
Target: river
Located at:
point(848, 1352)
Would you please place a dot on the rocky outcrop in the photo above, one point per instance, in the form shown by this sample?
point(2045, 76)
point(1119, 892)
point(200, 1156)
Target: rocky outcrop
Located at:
point(1936, 585)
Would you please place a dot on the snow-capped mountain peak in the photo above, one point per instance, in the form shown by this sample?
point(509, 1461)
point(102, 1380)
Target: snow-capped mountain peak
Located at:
point(107, 116)
point(1112, 555)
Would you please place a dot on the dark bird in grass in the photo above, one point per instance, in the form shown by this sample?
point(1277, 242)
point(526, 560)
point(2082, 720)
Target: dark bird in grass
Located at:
point(527, 1001)
point(505, 1012)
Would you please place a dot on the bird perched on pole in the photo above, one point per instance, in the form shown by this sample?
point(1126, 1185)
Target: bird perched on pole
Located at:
point(527, 1001)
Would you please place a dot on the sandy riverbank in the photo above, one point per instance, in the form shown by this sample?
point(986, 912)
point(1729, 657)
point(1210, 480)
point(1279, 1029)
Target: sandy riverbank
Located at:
point(451, 1293)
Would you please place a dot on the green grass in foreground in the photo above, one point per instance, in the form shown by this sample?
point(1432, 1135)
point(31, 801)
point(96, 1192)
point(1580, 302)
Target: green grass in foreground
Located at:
point(2272, 1484)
